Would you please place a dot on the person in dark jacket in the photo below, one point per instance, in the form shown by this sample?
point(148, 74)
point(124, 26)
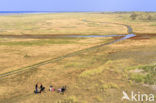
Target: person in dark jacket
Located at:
point(36, 88)
point(62, 90)
point(42, 88)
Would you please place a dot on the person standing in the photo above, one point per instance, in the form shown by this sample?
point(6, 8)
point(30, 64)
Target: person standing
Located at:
point(36, 88)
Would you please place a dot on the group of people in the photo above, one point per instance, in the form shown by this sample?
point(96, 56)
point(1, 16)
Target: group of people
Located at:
point(41, 88)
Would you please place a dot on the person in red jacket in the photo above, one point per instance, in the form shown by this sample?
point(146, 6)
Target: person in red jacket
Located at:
point(52, 89)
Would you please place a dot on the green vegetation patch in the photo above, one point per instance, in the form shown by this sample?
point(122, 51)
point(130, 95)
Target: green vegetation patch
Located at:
point(153, 24)
point(147, 75)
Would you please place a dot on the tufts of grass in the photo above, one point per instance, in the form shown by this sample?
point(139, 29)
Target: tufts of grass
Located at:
point(98, 99)
point(26, 56)
point(148, 76)
point(138, 77)
point(74, 65)
point(91, 72)
point(71, 99)
point(148, 68)
point(109, 86)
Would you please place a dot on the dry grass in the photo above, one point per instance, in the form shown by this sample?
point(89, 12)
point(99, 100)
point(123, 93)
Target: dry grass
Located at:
point(104, 78)
point(67, 23)
point(63, 23)
point(97, 75)
point(14, 54)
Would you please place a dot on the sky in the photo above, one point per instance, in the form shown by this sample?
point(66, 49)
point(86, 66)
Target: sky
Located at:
point(77, 5)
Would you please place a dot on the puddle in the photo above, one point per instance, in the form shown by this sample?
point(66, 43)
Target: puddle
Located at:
point(123, 38)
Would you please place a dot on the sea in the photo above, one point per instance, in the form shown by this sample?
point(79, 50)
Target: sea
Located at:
point(16, 12)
